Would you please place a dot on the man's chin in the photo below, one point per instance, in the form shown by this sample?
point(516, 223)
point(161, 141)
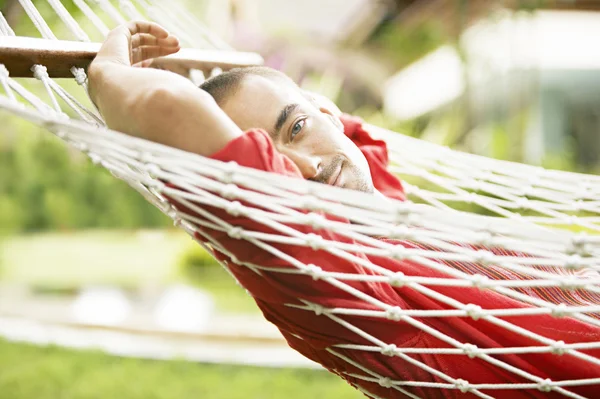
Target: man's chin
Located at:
point(361, 186)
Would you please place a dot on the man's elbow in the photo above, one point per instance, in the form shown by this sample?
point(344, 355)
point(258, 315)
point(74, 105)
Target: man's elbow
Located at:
point(95, 77)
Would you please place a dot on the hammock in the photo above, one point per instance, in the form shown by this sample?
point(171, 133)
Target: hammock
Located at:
point(403, 316)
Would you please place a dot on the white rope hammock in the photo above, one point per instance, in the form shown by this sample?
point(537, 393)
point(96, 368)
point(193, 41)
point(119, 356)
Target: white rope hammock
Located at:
point(222, 203)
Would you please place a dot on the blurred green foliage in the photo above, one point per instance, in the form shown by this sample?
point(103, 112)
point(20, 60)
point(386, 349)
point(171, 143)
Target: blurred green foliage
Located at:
point(195, 258)
point(401, 46)
point(45, 185)
point(27, 371)
point(198, 267)
point(58, 262)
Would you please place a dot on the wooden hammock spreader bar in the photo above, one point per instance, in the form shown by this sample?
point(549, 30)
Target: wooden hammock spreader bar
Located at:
point(19, 54)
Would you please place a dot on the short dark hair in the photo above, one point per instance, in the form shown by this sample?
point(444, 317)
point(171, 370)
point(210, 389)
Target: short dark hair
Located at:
point(226, 83)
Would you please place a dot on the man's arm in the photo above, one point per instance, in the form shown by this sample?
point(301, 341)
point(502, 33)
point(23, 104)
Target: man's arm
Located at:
point(152, 104)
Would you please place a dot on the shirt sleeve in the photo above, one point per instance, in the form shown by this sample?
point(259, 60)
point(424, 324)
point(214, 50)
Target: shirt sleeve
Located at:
point(255, 149)
point(258, 268)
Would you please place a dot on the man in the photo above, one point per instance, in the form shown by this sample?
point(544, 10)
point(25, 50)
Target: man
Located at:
point(290, 132)
point(309, 131)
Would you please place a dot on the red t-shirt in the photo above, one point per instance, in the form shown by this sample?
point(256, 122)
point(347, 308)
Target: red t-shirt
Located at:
point(312, 334)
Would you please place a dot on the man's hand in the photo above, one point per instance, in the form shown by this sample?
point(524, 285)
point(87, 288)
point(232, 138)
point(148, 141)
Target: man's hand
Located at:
point(137, 43)
point(153, 104)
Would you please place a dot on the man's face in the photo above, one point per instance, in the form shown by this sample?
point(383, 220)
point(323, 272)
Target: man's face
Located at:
point(311, 136)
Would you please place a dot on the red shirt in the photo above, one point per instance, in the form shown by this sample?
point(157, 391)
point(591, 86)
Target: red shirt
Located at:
point(312, 334)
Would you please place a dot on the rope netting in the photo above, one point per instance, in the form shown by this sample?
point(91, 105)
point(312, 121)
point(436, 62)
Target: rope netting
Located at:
point(485, 282)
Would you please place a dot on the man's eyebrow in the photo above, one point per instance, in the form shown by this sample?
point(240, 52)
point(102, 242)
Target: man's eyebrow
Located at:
point(283, 116)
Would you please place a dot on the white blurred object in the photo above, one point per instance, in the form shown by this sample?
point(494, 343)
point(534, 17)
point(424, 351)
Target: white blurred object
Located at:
point(431, 82)
point(549, 42)
point(107, 306)
point(337, 20)
point(185, 309)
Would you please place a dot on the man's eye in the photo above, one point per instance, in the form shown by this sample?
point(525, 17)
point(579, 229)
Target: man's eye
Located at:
point(297, 128)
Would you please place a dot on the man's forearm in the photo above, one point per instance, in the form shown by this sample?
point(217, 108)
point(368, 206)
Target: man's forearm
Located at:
point(115, 90)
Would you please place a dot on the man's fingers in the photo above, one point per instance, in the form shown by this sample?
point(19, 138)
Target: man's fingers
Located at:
point(143, 64)
point(143, 53)
point(137, 41)
point(144, 39)
point(150, 28)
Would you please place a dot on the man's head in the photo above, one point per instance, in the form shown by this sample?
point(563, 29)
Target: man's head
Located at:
point(305, 129)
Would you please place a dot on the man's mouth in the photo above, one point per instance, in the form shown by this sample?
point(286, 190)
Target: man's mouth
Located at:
point(335, 178)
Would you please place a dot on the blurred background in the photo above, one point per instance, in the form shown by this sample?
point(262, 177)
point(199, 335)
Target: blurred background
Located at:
point(101, 297)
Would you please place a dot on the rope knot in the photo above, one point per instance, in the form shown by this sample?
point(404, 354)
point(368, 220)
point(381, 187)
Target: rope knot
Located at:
point(571, 220)
point(315, 272)
point(472, 198)
point(484, 257)
point(234, 208)
point(95, 158)
point(528, 191)
point(559, 310)
point(413, 220)
point(580, 239)
point(474, 311)
point(172, 213)
point(315, 220)
point(81, 146)
point(400, 233)
point(230, 191)
point(385, 382)
point(234, 259)
point(475, 185)
point(462, 385)
point(152, 169)
point(485, 239)
point(545, 385)
point(558, 348)
point(398, 252)
point(315, 241)
point(310, 203)
point(394, 313)
point(522, 203)
point(318, 309)
point(577, 205)
point(402, 213)
point(480, 281)
point(229, 172)
point(236, 233)
point(146, 157)
point(79, 75)
point(389, 350)
point(51, 125)
point(397, 280)
point(579, 244)
point(570, 283)
point(573, 262)
point(157, 185)
point(470, 350)
point(40, 72)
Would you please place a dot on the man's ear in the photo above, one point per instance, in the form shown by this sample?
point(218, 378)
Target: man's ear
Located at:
point(326, 106)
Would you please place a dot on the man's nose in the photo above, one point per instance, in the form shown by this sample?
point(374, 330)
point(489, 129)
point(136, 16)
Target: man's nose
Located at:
point(309, 166)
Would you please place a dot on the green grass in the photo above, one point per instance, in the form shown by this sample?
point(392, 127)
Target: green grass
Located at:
point(30, 372)
point(92, 257)
point(128, 259)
